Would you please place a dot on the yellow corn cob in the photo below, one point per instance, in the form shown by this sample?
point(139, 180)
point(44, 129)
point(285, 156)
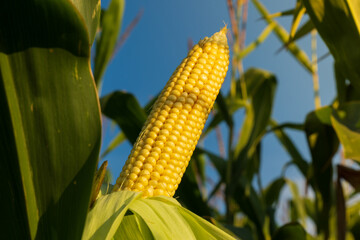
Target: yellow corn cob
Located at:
point(164, 147)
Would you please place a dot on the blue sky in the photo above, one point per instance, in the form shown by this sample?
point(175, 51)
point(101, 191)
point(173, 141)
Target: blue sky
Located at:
point(159, 43)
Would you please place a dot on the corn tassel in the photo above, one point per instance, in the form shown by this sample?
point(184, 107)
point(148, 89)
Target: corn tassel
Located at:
point(164, 147)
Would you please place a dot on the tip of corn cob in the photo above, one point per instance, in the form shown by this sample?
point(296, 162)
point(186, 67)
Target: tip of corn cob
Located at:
point(217, 38)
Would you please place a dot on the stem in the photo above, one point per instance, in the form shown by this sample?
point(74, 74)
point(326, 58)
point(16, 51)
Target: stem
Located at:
point(228, 190)
point(315, 75)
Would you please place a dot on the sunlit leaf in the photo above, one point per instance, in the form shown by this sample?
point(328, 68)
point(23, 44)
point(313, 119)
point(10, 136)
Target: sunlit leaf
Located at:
point(253, 45)
point(282, 34)
point(304, 30)
point(133, 227)
point(298, 15)
point(346, 122)
point(298, 202)
point(105, 218)
point(98, 181)
point(166, 219)
point(105, 46)
point(283, 13)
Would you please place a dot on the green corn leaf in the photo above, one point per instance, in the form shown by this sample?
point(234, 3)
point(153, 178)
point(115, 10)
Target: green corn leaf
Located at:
point(298, 202)
point(252, 46)
point(323, 144)
point(50, 121)
point(218, 162)
point(105, 46)
point(281, 33)
point(105, 218)
point(273, 190)
point(126, 111)
point(304, 30)
point(283, 13)
point(166, 219)
point(291, 231)
point(133, 227)
point(90, 10)
point(261, 86)
point(338, 24)
point(115, 142)
point(290, 147)
point(347, 126)
point(251, 204)
point(298, 15)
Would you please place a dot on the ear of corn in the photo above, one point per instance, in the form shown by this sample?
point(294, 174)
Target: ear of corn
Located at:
point(164, 147)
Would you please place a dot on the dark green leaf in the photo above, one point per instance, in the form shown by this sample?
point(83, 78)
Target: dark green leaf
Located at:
point(323, 145)
point(126, 111)
point(51, 130)
point(294, 126)
point(251, 205)
point(290, 231)
point(273, 190)
point(338, 24)
point(291, 149)
point(115, 142)
point(224, 111)
point(189, 193)
point(340, 210)
point(352, 176)
point(219, 162)
point(261, 86)
point(44, 24)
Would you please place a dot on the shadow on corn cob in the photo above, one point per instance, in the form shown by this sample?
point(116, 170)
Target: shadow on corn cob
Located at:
point(164, 147)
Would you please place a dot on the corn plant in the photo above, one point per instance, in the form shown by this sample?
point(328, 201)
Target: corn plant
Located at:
point(50, 135)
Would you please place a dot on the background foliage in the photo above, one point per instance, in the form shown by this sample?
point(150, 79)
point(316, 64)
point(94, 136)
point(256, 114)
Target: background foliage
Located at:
point(50, 130)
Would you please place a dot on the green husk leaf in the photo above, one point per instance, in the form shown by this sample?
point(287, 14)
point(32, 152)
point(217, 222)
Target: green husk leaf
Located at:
point(104, 219)
point(166, 219)
point(133, 227)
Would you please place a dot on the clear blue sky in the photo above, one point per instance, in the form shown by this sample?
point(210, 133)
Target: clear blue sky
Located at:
point(159, 43)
